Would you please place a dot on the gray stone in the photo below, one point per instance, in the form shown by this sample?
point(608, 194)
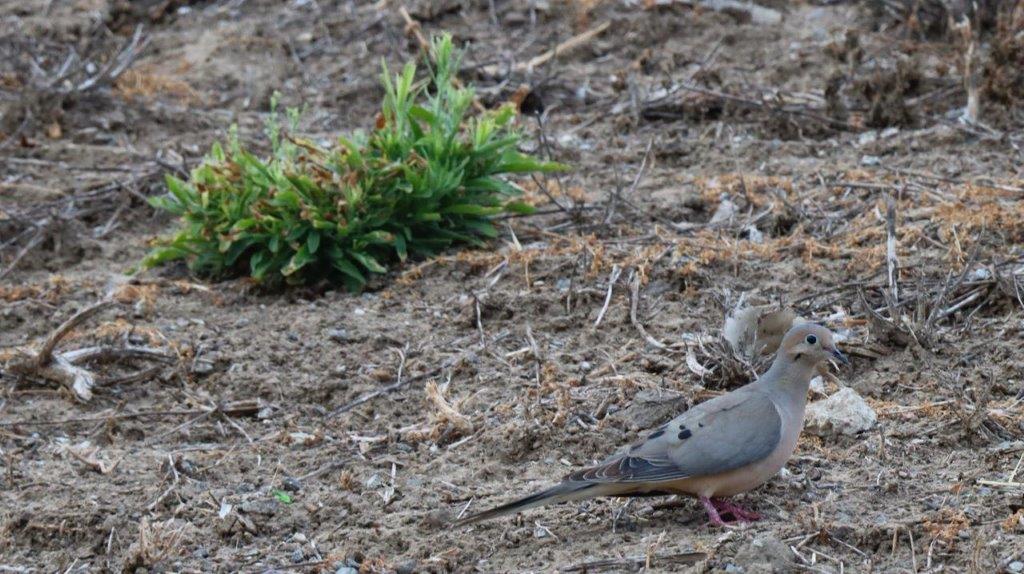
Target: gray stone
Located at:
point(765, 554)
point(844, 413)
point(291, 484)
point(259, 507)
point(407, 568)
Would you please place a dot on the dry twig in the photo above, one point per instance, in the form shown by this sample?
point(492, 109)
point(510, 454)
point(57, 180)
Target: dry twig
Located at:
point(63, 368)
point(634, 302)
point(561, 49)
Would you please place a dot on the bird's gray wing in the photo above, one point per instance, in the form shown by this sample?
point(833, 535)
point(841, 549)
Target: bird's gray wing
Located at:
point(723, 434)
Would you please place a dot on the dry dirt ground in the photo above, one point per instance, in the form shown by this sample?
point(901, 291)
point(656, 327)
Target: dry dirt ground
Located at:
point(240, 454)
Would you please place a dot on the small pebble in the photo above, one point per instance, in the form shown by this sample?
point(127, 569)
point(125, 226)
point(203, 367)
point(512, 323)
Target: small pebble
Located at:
point(407, 568)
point(346, 570)
point(291, 484)
point(297, 556)
point(1016, 566)
point(338, 335)
point(202, 367)
point(436, 519)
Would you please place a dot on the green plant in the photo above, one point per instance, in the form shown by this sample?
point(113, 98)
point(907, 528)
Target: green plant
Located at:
point(426, 177)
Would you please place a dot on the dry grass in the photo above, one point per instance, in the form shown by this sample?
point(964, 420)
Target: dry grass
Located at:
point(157, 542)
point(145, 81)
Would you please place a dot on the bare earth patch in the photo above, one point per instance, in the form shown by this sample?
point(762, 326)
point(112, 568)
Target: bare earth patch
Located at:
point(817, 162)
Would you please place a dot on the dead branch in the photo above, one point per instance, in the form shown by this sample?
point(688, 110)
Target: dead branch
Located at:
point(616, 271)
point(64, 368)
point(47, 89)
point(735, 8)
point(636, 563)
point(32, 243)
point(242, 408)
point(43, 363)
point(891, 261)
point(30, 227)
point(398, 384)
point(561, 49)
point(634, 303)
point(788, 110)
point(45, 354)
point(116, 65)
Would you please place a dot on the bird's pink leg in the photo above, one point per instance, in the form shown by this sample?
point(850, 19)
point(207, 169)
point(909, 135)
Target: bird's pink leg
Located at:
point(713, 515)
point(738, 512)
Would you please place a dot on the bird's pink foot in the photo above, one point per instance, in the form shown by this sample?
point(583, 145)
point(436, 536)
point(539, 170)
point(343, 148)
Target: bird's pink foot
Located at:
point(709, 507)
point(737, 512)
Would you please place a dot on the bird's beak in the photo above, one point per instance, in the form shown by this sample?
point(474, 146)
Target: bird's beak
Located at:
point(839, 356)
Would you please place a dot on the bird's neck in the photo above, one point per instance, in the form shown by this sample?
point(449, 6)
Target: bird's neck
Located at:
point(791, 378)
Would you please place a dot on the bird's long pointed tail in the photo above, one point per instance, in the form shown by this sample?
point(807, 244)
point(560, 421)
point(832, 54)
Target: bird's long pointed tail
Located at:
point(563, 492)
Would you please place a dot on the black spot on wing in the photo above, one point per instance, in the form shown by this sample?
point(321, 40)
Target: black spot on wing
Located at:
point(684, 433)
point(656, 434)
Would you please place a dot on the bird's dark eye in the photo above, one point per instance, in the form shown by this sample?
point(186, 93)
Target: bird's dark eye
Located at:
point(811, 339)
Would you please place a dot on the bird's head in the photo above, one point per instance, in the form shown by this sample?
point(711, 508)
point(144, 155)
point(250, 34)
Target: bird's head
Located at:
point(811, 345)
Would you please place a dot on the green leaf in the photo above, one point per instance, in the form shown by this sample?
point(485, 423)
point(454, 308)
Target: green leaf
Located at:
point(345, 266)
point(282, 497)
point(236, 250)
point(243, 224)
point(163, 255)
point(381, 237)
point(422, 114)
point(515, 162)
point(313, 241)
point(482, 227)
point(471, 209)
point(400, 247)
point(520, 207)
point(167, 203)
point(301, 258)
point(259, 264)
point(369, 262)
point(178, 189)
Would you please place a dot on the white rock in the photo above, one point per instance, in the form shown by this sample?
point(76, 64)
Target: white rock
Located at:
point(818, 387)
point(725, 211)
point(844, 413)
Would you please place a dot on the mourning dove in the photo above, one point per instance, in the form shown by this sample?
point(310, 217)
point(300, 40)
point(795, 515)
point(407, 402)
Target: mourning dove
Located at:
point(728, 445)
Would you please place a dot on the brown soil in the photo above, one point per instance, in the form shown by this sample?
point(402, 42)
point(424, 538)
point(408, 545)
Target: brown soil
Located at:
point(509, 385)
